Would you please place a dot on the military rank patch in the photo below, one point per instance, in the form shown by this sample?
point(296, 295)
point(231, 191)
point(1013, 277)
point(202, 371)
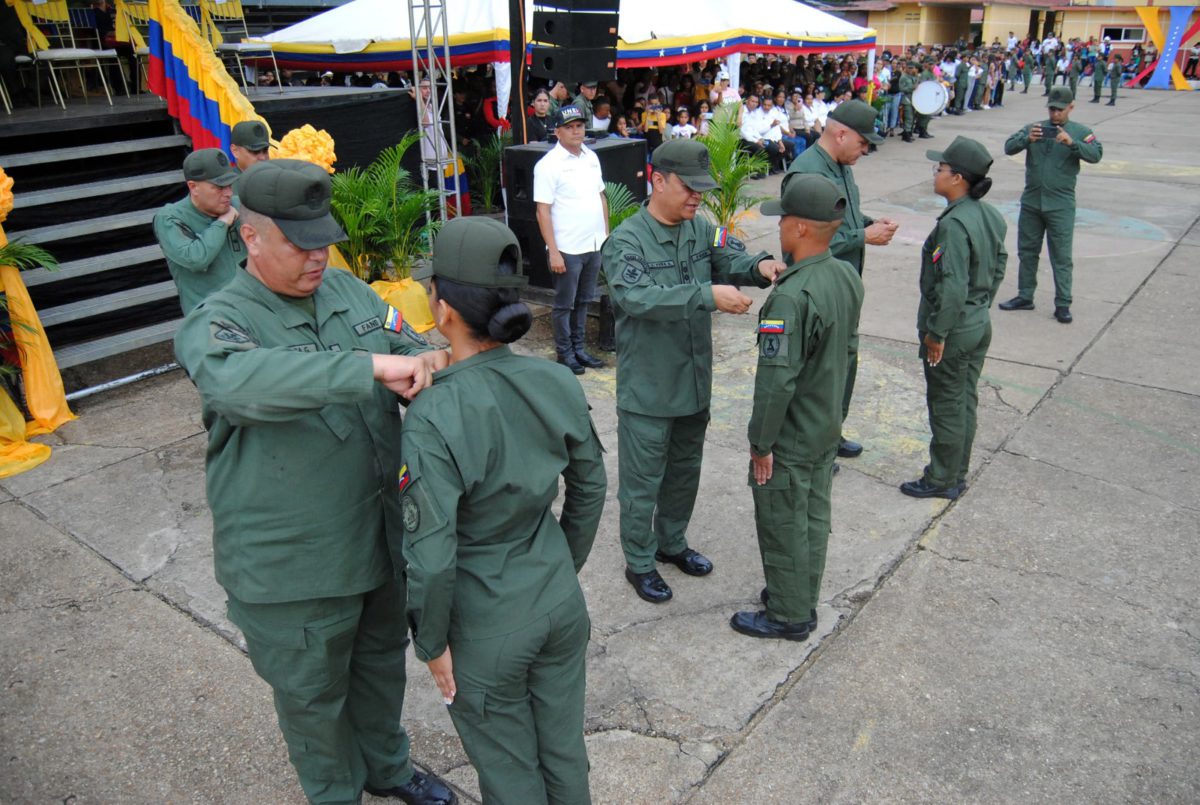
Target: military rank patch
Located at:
point(394, 321)
point(229, 333)
point(771, 326)
point(735, 244)
point(405, 478)
point(410, 513)
point(1091, 138)
point(937, 253)
point(772, 345)
point(720, 236)
point(407, 329)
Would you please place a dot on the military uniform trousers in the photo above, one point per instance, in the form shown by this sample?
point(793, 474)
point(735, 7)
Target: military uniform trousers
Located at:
point(952, 397)
point(908, 116)
point(792, 517)
point(336, 666)
point(658, 464)
point(519, 708)
point(1057, 228)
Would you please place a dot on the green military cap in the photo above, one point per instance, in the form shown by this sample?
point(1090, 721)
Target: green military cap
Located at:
point(209, 165)
point(809, 196)
point(1060, 98)
point(251, 135)
point(687, 159)
point(295, 195)
point(589, 84)
point(470, 251)
point(964, 155)
point(858, 116)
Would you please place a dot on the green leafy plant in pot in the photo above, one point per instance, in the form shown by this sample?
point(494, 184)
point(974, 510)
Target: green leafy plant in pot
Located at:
point(731, 168)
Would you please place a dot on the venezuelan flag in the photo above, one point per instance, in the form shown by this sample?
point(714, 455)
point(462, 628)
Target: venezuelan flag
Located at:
point(394, 320)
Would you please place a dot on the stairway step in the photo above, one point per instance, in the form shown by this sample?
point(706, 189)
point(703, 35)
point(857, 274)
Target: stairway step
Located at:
point(89, 351)
point(49, 234)
point(96, 305)
point(57, 195)
point(93, 265)
point(90, 151)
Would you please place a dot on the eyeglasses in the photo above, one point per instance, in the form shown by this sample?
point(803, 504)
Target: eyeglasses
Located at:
point(939, 168)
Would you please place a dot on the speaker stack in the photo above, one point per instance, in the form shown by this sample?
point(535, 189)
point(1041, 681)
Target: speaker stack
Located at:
point(621, 161)
point(576, 41)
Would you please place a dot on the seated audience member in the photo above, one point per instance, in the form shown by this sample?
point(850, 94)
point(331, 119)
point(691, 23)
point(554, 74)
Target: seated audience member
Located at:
point(777, 130)
point(601, 117)
point(754, 133)
point(683, 128)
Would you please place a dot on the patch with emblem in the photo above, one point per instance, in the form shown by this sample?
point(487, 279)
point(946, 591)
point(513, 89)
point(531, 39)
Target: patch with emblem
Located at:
point(735, 244)
point(229, 334)
point(770, 345)
point(407, 329)
point(394, 320)
point(370, 325)
point(410, 513)
point(772, 326)
point(1091, 138)
point(635, 267)
point(938, 252)
point(720, 236)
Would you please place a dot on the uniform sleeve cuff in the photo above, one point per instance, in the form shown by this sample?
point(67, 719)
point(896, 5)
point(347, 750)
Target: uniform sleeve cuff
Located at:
point(706, 296)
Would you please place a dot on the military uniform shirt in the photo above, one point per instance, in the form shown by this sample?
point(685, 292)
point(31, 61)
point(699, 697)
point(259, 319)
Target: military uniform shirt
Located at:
point(584, 106)
point(202, 253)
point(303, 450)
point(807, 337)
point(660, 279)
point(484, 447)
point(962, 266)
point(850, 241)
point(1051, 168)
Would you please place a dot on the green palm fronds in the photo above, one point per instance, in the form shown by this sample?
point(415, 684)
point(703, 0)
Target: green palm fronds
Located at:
point(731, 168)
point(621, 204)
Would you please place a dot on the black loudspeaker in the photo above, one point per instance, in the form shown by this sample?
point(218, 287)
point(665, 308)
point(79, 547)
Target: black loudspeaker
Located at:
point(576, 42)
point(621, 161)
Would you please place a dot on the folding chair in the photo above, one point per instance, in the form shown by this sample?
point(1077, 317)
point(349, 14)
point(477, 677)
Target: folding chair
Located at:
point(4, 99)
point(134, 22)
point(225, 20)
point(54, 22)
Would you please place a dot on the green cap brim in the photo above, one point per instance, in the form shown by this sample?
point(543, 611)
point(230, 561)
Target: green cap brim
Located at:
point(772, 206)
point(1058, 105)
point(225, 179)
point(700, 182)
point(936, 156)
point(316, 233)
point(872, 137)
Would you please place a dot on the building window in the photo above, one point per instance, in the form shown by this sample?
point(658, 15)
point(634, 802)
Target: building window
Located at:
point(1124, 34)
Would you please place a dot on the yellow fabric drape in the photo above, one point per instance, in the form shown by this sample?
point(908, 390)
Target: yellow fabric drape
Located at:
point(409, 297)
point(37, 39)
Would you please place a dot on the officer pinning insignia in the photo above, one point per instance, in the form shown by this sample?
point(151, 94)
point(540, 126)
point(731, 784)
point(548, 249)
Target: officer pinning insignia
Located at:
point(368, 326)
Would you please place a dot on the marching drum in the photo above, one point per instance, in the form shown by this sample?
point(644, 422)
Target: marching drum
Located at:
point(930, 98)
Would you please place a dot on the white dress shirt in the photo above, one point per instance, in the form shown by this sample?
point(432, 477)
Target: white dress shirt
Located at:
point(572, 185)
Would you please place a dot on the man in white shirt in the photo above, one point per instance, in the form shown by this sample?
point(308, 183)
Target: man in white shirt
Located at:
point(755, 127)
point(1012, 41)
point(572, 214)
point(777, 130)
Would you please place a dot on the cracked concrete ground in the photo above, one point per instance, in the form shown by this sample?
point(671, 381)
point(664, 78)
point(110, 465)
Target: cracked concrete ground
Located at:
point(1036, 640)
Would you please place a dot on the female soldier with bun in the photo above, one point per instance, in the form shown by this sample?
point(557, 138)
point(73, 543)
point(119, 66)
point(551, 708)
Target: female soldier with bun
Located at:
point(962, 265)
point(494, 604)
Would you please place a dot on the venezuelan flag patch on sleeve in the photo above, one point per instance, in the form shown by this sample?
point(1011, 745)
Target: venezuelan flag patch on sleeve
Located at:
point(937, 253)
point(720, 236)
point(771, 326)
point(405, 478)
point(394, 320)
point(1091, 138)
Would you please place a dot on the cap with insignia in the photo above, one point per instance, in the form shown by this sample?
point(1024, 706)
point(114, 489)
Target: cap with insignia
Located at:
point(808, 196)
point(589, 84)
point(568, 114)
point(858, 116)
point(965, 156)
point(1060, 98)
point(470, 251)
point(295, 195)
point(209, 165)
point(251, 135)
point(687, 159)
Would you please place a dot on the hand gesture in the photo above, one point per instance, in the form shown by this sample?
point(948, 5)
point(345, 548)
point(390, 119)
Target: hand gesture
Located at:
point(730, 299)
point(764, 466)
point(1035, 133)
point(442, 669)
point(402, 374)
point(558, 265)
point(771, 269)
point(1063, 137)
point(229, 216)
point(880, 233)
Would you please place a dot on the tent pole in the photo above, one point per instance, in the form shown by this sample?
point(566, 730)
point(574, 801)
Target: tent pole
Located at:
point(516, 50)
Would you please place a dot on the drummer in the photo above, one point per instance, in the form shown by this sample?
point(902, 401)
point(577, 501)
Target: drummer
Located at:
point(922, 123)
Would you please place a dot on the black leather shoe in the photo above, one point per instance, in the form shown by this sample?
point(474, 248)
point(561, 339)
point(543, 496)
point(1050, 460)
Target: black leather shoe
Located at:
point(1017, 303)
point(590, 361)
point(921, 488)
point(757, 624)
point(811, 623)
point(1111, 103)
point(1094, 100)
point(908, 138)
point(422, 789)
point(649, 586)
point(570, 362)
point(924, 135)
point(848, 449)
point(688, 561)
point(1063, 314)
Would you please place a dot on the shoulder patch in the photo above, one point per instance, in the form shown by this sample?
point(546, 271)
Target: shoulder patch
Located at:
point(720, 236)
point(405, 478)
point(735, 244)
point(772, 345)
point(231, 336)
point(410, 514)
point(394, 320)
point(772, 326)
point(407, 329)
point(1091, 138)
point(938, 252)
point(635, 267)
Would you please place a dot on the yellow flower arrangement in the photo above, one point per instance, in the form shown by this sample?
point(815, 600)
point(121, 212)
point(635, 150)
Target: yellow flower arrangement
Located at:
point(308, 144)
point(6, 195)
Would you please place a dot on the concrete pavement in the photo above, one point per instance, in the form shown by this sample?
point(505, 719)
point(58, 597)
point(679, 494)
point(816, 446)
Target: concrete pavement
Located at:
point(1038, 639)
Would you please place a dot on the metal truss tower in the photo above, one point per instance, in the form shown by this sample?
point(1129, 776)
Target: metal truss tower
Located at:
point(435, 114)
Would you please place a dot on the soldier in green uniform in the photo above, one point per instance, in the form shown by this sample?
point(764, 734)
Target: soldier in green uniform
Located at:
point(197, 233)
point(848, 132)
point(667, 271)
point(496, 610)
point(1026, 71)
point(807, 337)
point(250, 143)
point(587, 94)
point(962, 265)
point(1075, 70)
point(1098, 74)
point(1115, 69)
point(1053, 150)
point(298, 370)
point(908, 83)
point(923, 120)
point(962, 78)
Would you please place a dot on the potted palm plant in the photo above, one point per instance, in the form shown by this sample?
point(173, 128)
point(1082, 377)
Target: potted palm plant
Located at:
point(485, 167)
point(731, 168)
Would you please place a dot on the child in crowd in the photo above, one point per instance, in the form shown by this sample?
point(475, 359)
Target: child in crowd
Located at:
point(683, 129)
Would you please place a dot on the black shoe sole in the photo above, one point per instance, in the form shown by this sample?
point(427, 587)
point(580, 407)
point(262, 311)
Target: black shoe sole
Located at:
point(843, 453)
point(795, 637)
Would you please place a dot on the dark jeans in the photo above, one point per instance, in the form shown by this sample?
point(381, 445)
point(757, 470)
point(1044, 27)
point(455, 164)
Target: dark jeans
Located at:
point(572, 292)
